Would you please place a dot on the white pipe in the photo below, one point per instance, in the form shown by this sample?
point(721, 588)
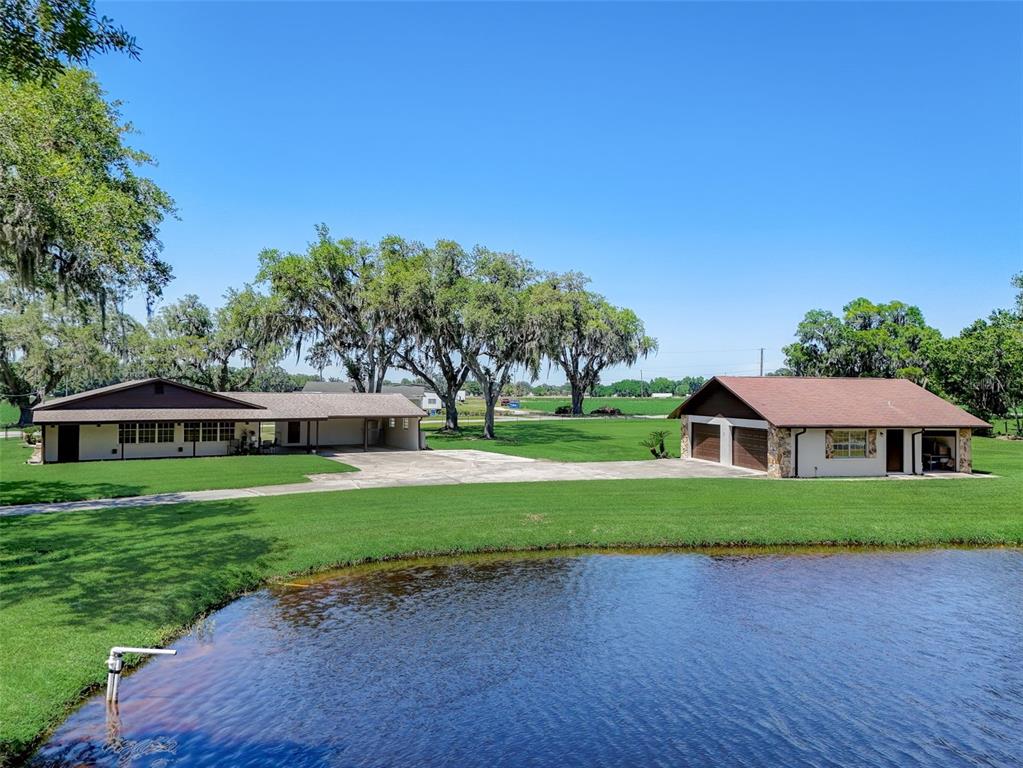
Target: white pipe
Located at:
point(115, 663)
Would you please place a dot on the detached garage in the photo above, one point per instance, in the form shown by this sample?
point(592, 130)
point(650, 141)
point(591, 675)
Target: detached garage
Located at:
point(789, 426)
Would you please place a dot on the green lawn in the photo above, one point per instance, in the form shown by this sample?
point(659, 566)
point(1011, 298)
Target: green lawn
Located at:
point(630, 406)
point(72, 585)
point(22, 483)
point(564, 440)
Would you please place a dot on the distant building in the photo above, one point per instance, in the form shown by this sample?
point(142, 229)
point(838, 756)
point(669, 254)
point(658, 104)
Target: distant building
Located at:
point(662, 395)
point(419, 394)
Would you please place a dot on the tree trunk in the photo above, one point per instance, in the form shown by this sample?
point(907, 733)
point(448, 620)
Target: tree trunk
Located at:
point(490, 396)
point(450, 400)
point(577, 399)
point(25, 416)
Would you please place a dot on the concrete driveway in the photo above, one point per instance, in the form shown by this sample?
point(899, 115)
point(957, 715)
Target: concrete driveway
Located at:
point(395, 468)
point(392, 468)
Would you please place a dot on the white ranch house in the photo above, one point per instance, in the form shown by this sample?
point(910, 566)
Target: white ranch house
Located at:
point(158, 418)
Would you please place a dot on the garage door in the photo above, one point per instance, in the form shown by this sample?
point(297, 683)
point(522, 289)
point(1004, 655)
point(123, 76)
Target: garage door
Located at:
point(749, 448)
point(707, 442)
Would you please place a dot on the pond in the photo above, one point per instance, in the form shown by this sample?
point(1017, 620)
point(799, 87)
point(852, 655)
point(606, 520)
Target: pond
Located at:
point(668, 659)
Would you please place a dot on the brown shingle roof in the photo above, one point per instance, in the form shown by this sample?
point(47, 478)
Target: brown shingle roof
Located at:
point(271, 406)
point(789, 401)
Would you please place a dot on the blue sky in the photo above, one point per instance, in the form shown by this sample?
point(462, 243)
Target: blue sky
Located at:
point(720, 168)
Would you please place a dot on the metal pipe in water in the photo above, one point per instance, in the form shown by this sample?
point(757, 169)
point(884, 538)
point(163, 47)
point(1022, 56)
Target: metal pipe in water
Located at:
point(115, 663)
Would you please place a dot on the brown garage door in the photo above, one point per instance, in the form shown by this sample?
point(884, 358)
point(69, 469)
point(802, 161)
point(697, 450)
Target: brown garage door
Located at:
point(707, 442)
point(749, 448)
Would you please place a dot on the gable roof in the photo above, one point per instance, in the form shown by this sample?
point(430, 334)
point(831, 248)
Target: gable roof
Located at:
point(229, 399)
point(791, 401)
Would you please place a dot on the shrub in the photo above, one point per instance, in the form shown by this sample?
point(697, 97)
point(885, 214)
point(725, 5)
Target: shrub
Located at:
point(606, 410)
point(563, 410)
point(31, 434)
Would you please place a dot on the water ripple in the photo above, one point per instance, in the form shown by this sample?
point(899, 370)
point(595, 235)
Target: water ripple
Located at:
point(853, 659)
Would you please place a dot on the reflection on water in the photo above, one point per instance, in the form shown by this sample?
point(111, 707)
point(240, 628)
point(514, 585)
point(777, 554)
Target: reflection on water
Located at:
point(851, 659)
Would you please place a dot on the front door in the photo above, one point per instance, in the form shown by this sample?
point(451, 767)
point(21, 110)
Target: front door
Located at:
point(294, 431)
point(894, 452)
point(67, 442)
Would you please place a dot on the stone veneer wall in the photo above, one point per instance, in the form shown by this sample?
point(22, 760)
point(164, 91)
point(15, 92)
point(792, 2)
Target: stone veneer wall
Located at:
point(779, 451)
point(684, 444)
point(965, 450)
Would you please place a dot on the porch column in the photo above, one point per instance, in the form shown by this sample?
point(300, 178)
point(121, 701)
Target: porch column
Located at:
point(43, 432)
point(365, 434)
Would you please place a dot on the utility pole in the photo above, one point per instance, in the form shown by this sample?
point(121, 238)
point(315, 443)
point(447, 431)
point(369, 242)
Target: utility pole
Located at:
point(761, 361)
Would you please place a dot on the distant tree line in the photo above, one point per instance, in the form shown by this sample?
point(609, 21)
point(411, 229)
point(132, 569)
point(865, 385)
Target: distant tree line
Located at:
point(981, 368)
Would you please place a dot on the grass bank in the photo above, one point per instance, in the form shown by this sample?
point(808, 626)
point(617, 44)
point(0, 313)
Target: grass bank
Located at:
point(22, 483)
point(72, 585)
point(564, 439)
point(630, 406)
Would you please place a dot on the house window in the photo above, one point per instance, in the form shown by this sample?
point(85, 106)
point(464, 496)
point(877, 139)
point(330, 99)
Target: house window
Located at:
point(147, 432)
point(404, 423)
point(191, 431)
point(849, 444)
point(227, 430)
point(126, 433)
point(390, 423)
point(165, 432)
point(209, 431)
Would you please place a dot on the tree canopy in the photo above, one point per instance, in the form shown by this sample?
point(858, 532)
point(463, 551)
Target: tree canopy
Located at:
point(75, 215)
point(189, 341)
point(881, 340)
point(45, 345)
point(39, 38)
point(584, 334)
point(329, 301)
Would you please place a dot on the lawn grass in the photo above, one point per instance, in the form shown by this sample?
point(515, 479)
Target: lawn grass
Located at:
point(22, 483)
point(72, 585)
point(630, 406)
point(563, 439)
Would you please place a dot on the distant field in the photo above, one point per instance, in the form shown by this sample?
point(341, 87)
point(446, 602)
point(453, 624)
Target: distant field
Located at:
point(631, 406)
point(1004, 426)
point(9, 414)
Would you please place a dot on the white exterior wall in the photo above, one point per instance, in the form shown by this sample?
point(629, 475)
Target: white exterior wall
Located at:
point(430, 401)
point(51, 442)
point(99, 442)
point(725, 425)
point(813, 464)
point(404, 434)
point(340, 432)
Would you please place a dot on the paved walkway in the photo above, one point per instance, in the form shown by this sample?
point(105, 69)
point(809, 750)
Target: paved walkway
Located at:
point(388, 469)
